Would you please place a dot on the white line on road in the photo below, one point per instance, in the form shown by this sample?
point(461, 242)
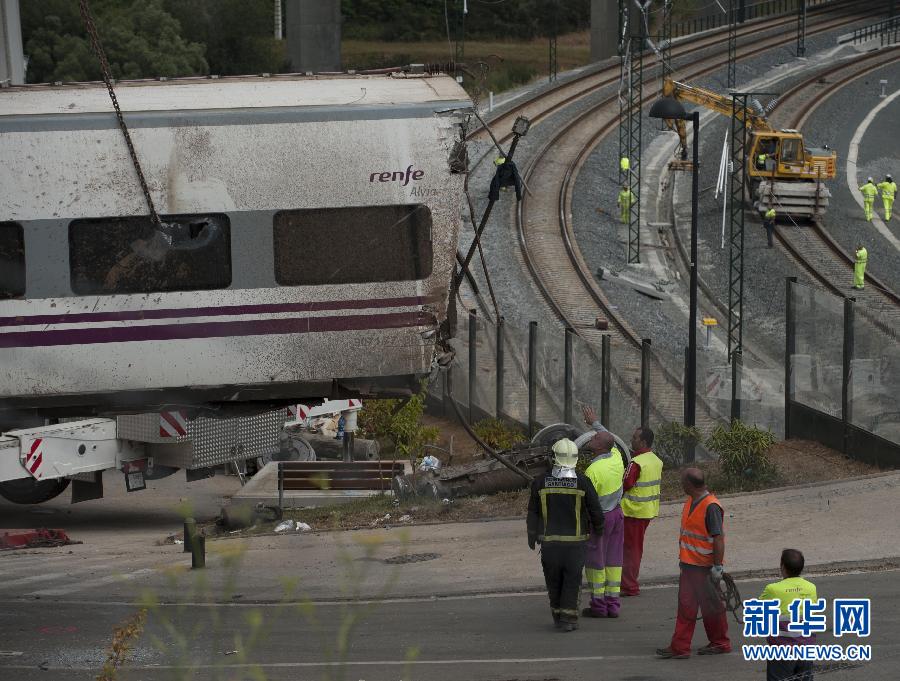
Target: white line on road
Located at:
point(92, 583)
point(853, 180)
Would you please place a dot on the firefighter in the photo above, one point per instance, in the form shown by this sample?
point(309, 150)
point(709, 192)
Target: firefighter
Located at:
point(563, 511)
point(888, 190)
point(769, 224)
point(701, 557)
point(625, 201)
point(603, 566)
point(789, 589)
point(640, 499)
point(859, 269)
point(869, 190)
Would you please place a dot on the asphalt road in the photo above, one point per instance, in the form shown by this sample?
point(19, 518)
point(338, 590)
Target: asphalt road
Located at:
point(497, 638)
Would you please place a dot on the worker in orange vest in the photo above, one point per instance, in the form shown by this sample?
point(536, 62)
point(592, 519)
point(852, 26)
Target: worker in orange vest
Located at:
point(701, 555)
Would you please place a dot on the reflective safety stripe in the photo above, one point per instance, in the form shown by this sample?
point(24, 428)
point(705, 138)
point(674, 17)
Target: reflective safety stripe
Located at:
point(568, 611)
point(600, 457)
point(608, 502)
point(696, 549)
point(634, 497)
point(704, 537)
point(562, 537)
point(647, 483)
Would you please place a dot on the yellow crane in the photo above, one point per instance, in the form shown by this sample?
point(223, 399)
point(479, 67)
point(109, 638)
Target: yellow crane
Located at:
point(784, 173)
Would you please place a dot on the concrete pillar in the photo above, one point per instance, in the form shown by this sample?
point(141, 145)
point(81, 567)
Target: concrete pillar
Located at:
point(604, 28)
point(313, 31)
point(12, 60)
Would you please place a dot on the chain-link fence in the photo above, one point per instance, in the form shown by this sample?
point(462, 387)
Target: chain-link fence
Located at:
point(844, 368)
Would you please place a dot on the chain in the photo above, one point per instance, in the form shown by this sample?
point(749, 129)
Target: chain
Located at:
point(97, 46)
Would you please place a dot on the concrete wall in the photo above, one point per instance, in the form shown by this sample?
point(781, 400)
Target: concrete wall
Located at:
point(12, 63)
point(604, 28)
point(313, 33)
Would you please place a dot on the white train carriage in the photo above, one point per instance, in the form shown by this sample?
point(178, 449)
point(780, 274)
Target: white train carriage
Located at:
point(308, 241)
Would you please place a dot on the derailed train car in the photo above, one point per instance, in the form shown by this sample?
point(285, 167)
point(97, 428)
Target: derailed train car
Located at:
point(309, 233)
point(307, 241)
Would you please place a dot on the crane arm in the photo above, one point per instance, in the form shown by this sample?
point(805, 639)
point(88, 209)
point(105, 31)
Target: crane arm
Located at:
point(708, 100)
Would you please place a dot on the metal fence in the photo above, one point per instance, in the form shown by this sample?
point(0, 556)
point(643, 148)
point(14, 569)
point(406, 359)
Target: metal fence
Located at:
point(535, 377)
point(886, 30)
point(755, 10)
point(842, 373)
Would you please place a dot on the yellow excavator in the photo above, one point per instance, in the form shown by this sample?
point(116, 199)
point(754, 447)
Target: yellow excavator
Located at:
point(783, 172)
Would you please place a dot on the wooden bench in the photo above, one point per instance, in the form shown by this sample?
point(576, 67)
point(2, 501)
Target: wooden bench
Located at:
point(337, 475)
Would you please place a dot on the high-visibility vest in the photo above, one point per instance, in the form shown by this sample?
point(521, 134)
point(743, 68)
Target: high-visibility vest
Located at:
point(888, 189)
point(868, 190)
point(642, 500)
point(770, 214)
point(787, 591)
point(862, 256)
point(606, 472)
point(624, 163)
point(695, 545)
point(761, 159)
point(626, 198)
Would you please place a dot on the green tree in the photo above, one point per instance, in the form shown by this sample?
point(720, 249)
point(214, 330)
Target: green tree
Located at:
point(141, 39)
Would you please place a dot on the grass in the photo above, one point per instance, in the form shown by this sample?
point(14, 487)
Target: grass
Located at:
point(510, 63)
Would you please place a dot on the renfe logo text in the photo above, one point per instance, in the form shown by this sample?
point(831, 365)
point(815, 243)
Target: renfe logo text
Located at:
point(398, 176)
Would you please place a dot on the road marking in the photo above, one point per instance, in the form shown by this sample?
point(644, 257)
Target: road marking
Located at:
point(853, 180)
point(92, 583)
point(8, 583)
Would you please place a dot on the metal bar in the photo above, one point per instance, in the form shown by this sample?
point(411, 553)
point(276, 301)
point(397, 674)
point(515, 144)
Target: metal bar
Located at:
point(690, 382)
point(568, 375)
point(605, 379)
point(645, 383)
point(500, 360)
point(732, 40)
point(737, 366)
point(532, 378)
point(635, 98)
point(473, 362)
point(847, 374)
point(736, 254)
point(801, 29)
point(280, 484)
point(667, 38)
point(790, 348)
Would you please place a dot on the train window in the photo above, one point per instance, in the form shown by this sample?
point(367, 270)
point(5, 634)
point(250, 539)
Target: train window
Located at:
point(352, 245)
point(12, 260)
point(131, 255)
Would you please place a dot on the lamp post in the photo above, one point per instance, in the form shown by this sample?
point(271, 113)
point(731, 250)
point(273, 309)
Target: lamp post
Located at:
point(672, 109)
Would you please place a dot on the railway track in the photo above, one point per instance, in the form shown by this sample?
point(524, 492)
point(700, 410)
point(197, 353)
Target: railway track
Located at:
point(546, 238)
point(810, 245)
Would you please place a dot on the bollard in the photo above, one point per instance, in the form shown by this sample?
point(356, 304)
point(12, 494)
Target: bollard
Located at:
point(198, 555)
point(190, 529)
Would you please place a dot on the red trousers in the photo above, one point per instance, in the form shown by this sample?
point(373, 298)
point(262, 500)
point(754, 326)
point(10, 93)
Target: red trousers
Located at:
point(694, 591)
point(633, 551)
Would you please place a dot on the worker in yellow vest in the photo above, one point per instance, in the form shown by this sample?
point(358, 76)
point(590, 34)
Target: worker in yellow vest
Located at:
point(869, 190)
point(769, 224)
point(603, 564)
point(888, 190)
point(640, 500)
point(625, 201)
point(788, 590)
point(859, 268)
point(701, 554)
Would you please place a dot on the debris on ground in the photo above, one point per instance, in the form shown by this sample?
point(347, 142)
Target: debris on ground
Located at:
point(33, 539)
point(404, 518)
point(285, 526)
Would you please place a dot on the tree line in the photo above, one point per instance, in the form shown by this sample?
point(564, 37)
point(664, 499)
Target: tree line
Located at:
point(152, 38)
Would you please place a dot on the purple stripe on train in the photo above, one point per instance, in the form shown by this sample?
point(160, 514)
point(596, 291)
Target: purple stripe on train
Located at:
point(175, 313)
point(258, 327)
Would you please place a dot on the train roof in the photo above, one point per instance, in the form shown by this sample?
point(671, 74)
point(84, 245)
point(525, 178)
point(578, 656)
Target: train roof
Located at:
point(241, 92)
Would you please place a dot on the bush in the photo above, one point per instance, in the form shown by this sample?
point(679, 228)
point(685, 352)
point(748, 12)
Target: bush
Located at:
point(671, 440)
point(497, 434)
point(742, 455)
point(398, 424)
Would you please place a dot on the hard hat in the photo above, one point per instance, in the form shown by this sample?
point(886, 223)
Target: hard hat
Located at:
point(869, 180)
point(889, 178)
point(565, 453)
point(499, 161)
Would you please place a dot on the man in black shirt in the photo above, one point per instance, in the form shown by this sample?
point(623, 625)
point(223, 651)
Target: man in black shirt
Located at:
point(562, 512)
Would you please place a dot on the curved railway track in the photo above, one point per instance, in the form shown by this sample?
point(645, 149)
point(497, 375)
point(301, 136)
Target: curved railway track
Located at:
point(547, 240)
point(810, 246)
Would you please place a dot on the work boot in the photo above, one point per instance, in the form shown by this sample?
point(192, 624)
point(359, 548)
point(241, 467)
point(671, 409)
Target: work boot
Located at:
point(710, 649)
point(590, 612)
point(669, 654)
point(568, 626)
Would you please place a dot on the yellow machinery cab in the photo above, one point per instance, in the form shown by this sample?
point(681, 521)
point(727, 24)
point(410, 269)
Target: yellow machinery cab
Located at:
point(782, 155)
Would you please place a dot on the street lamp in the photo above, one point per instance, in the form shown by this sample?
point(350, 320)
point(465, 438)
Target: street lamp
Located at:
point(672, 109)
